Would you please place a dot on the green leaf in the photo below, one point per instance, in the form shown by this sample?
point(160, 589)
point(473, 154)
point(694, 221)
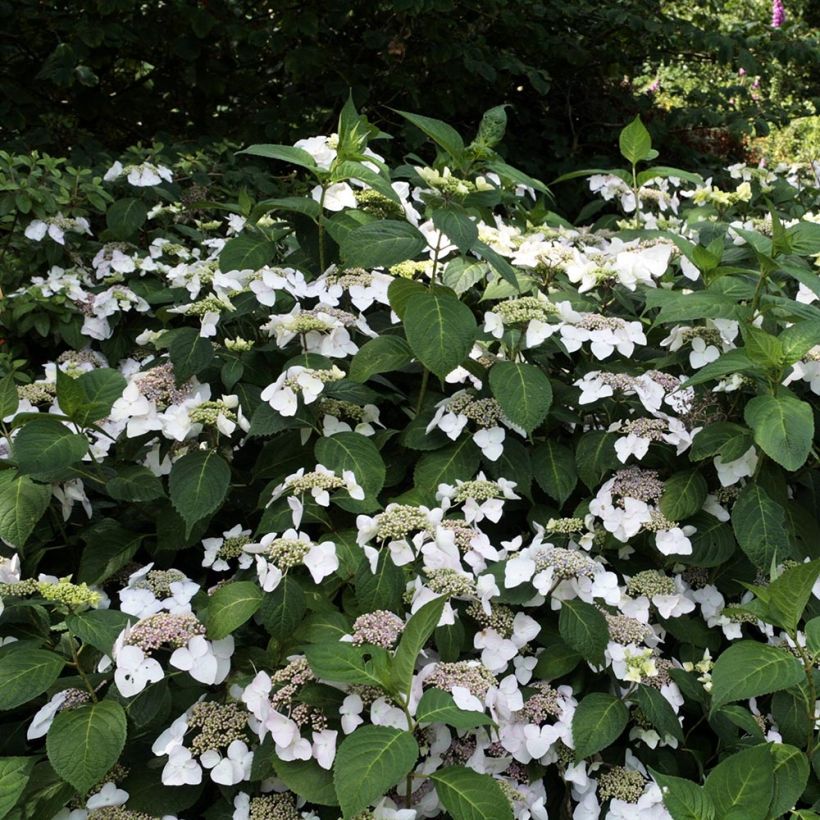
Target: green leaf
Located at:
point(91, 395)
point(98, 627)
point(198, 484)
point(440, 331)
point(230, 606)
point(710, 440)
point(436, 706)
point(498, 263)
point(731, 362)
point(286, 153)
point(134, 483)
point(598, 721)
point(741, 786)
point(125, 217)
point(282, 610)
point(761, 347)
point(355, 452)
point(583, 627)
point(382, 589)
point(457, 226)
point(783, 428)
point(683, 799)
point(294, 204)
point(356, 170)
point(789, 594)
point(635, 142)
point(416, 633)
point(523, 391)
point(748, 669)
point(760, 527)
point(45, 447)
point(595, 456)
point(442, 134)
point(381, 244)
point(109, 547)
point(399, 292)
point(14, 774)
point(246, 252)
point(658, 712)
point(812, 630)
point(458, 460)
point(307, 779)
point(22, 504)
point(9, 400)
point(468, 795)
point(84, 743)
point(380, 355)
point(791, 774)
point(462, 273)
point(683, 495)
point(369, 762)
point(190, 353)
point(799, 339)
point(341, 662)
point(553, 467)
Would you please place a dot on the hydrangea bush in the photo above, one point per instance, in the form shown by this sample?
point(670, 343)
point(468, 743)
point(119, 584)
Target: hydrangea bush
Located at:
point(406, 498)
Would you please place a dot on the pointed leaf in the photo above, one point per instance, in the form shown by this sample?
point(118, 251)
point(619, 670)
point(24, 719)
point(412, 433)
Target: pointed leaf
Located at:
point(523, 391)
point(369, 762)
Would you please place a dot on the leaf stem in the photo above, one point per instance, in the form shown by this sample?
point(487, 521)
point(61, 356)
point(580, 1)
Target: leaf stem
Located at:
point(74, 654)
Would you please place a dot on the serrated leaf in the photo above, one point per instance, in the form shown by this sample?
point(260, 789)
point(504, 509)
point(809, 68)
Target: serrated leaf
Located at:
point(282, 610)
point(22, 504)
point(84, 743)
point(444, 466)
point(683, 495)
point(134, 482)
point(380, 355)
point(440, 330)
point(437, 706)
point(748, 669)
point(369, 762)
point(523, 391)
point(198, 484)
point(789, 593)
point(286, 153)
point(635, 142)
point(9, 400)
point(98, 627)
point(462, 273)
point(91, 395)
point(598, 721)
point(742, 785)
point(246, 252)
point(46, 447)
point(125, 217)
point(469, 795)
point(381, 244)
point(355, 452)
point(231, 606)
point(583, 627)
point(454, 223)
point(442, 134)
point(190, 353)
point(340, 662)
point(791, 774)
point(783, 428)
point(307, 779)
point(415, 635)
point(553, 467)
point(658, 712)
point(759, 524)
point(683, 799)
point(595, 456)
point(14, 775)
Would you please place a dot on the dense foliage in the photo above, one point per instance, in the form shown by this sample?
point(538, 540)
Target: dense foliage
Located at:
point(80, 77)
point(406, 498)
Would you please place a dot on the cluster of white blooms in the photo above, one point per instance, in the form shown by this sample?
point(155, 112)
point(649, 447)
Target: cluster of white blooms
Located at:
point(261, 615)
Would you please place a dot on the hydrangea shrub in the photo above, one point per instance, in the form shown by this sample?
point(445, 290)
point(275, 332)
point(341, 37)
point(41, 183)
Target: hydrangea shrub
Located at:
point(406, 498)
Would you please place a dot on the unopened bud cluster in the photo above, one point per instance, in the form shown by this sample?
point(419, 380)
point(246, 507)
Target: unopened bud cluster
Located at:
point(216, 725)
point(379, 628)
point(164, 629)
point(620, 783)
point(475, 677)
